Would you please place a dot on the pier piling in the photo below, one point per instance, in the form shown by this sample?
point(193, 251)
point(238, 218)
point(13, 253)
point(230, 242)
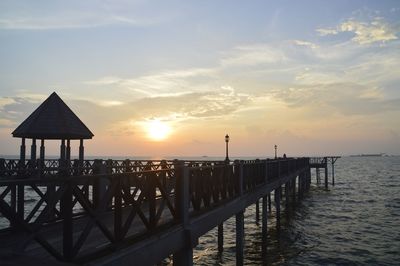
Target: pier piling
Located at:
point(264, 228)
point(221, 237)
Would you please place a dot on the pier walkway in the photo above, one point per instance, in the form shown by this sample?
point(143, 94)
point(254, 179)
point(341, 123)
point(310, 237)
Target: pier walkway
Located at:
point(110, 212)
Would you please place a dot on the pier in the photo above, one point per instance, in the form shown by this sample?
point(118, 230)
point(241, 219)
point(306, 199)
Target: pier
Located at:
point(124, 212)
point(114, 212)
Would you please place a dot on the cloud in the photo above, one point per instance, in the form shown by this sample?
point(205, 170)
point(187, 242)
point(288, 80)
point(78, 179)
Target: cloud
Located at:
point(344, 98)
point(69, 21)
point(305, 43)
point(4, 101)
point(164, 84)
point(206, 105)
point(57, 15)
point(325, 32)
point(252, 55)
point(6, 123)
point(366, 32)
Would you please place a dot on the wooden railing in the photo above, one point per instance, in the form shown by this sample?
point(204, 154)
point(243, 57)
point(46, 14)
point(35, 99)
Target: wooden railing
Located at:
point(57, 167)
point(118, 202)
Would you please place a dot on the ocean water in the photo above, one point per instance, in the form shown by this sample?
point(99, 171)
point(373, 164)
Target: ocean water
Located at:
point(356, 222)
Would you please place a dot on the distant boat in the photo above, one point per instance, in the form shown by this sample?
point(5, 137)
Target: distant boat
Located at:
point(368, 155)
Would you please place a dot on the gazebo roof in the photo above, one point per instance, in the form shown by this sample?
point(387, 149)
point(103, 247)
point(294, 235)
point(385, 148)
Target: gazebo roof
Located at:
point(53, 119)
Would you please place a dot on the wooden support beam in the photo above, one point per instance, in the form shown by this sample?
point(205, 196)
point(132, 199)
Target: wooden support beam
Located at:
point(326, 176)
point(294, 191)
point(277, 195)
point(240, 222)
point(264, 229)
point(239, 238)
point(269, 202)
point(118, 210)
point(257, 212)
point(20, 201)
point(287, 196)
point(184, 256)
point(66, 212)
point(221, 237)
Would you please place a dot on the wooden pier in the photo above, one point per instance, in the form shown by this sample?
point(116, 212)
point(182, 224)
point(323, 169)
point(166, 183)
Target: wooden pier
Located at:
point(323, 163)
point(114, 212)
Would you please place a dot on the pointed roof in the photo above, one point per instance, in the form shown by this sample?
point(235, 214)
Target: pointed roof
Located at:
point(53, 119)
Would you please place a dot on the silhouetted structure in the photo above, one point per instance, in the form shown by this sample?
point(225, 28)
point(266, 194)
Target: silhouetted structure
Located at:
point(119, 212)
point(53, 119)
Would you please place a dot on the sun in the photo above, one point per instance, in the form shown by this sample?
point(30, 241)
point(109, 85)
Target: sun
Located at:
point(157, 130)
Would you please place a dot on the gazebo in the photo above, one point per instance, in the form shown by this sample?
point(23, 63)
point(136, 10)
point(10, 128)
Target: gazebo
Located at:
point(52, 120)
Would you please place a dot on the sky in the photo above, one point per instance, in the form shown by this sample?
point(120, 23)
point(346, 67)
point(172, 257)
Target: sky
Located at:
point(171, 78)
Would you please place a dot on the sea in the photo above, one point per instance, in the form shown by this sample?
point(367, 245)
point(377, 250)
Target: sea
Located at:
point(355, 222)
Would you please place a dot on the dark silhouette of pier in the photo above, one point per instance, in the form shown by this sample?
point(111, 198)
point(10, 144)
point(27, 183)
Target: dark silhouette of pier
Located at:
point(124, 212)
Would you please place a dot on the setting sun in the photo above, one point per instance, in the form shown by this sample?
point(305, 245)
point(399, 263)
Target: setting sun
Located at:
point(157, 130)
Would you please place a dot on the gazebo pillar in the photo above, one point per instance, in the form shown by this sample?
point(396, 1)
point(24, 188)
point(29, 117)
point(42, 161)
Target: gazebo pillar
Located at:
point(81, 151)
point(68, 151)
point(41, 160)
point(33, 150)
point(42, 150)
point(62, 158)
point(22, 152)
point(62, 150)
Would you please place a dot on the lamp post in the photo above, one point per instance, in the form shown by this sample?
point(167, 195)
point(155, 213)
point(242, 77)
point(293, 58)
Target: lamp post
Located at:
point(276, 147)
point(227, 141)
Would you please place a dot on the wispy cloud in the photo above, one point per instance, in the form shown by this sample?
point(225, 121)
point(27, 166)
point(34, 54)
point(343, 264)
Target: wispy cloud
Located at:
point(56, 15)
point(252, 55)
point(163, 84)
point(70, 21)
point(6, 101)
point(366, 32)
point(207, 105)
point(305, 43)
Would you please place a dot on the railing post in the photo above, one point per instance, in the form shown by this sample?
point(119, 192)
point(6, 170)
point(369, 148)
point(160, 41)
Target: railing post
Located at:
point(151, 197)
point(240, 221)
point(326, 172)
point(184, 256)
point(20, 201)
point(2, 167)
point(66, 212)
point(13, 202)
point(118, 209)
point(100, 183)
point(333, 171)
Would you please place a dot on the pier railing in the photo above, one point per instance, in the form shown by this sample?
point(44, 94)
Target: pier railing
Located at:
point(78, 217)
point(58, 167)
